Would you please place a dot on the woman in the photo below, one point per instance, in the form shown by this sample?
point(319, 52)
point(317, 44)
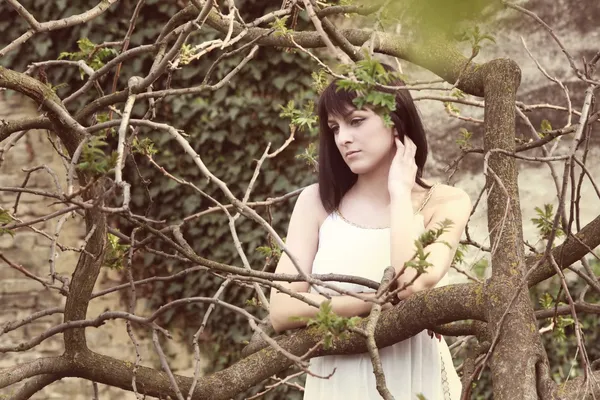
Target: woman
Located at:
point(369, 206)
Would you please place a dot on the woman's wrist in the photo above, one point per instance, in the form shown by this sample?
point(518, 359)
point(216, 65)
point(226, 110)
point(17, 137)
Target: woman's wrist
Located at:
point(400, 195)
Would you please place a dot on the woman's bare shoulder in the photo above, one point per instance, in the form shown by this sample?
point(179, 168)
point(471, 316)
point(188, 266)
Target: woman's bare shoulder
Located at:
point(309, 201)
point(446, 196)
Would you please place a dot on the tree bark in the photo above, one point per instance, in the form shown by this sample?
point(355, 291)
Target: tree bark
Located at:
point(518, 345)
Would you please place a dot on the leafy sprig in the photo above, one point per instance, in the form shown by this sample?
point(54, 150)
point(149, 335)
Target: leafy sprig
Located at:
point(464, 139)
point(301, 118)
point(545, 221)
point(329, 323)
point(5, 218)
point(419, 261)
point(89, 52)
point(115, 253)
point(365, 78)
point(94, 157)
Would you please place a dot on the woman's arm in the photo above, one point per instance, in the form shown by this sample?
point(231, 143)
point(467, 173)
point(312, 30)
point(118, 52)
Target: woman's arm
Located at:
point(455, 205)
point(302, 241)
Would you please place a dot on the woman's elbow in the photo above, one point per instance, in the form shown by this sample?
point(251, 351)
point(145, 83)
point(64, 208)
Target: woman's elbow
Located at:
point(278, 317)
point(277, 323)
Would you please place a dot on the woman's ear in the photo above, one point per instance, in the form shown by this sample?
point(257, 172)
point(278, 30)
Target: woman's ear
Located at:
point(398, 135)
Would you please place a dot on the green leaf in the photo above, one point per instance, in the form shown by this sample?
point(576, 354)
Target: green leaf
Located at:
point(115, 253)
point(546, 301)
point(464, 139)
point(545, 221)
point(546, 125)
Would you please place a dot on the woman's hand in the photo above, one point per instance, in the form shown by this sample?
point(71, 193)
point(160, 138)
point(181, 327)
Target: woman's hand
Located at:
point(403, 170)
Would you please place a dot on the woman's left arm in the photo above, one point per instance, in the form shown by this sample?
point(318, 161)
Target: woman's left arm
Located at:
point(454, 205)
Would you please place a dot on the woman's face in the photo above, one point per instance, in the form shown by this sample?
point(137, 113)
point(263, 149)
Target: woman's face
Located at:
point(363, 140)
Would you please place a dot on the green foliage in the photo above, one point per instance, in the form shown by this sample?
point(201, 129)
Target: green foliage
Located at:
point(115, 253)
point(419, 261)
point(435, 18)
point(451, 108)
point(459, 256)
point(144, 146)
point(5, 218)
point(546, 300)
point(365, 77)
point(186, 54)
point(320, 80)
point(545, 127)
point(329, 323)
point(431, 236)
point(94, 158)
point(301, 118)
point(272, 252)
point(280, 26)
point(464, 139)
point(89, 52)
point(475, 37)
point(459, 94)
point(310, 156)
point(559, 328)
point(559, 323)
point(545, 221)
point(480, 267)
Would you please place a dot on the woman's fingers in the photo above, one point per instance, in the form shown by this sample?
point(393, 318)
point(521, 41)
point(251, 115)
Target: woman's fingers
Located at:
point(411, 148)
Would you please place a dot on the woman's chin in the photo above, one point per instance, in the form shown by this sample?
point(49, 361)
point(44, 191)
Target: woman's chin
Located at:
point(359, 169)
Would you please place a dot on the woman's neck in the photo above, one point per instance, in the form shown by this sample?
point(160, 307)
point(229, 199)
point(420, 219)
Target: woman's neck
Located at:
point(373, 186)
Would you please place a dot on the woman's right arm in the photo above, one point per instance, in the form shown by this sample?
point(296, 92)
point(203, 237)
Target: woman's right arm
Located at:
point(302, 241)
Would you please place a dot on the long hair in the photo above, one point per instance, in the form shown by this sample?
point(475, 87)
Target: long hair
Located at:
point(335, 177)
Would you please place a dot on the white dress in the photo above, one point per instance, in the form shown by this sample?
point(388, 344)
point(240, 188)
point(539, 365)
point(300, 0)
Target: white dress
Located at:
point(416, 366)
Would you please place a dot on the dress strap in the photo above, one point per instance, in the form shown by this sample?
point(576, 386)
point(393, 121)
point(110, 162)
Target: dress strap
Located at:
point(429, 193)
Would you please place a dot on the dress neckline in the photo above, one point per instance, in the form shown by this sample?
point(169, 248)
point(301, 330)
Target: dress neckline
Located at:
point(417, 213)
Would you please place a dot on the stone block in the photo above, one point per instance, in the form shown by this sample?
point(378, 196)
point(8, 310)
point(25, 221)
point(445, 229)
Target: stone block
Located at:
point(7, 241)
point(34, 259)
point(14, 286)
point(25, 240)
point(17, 301)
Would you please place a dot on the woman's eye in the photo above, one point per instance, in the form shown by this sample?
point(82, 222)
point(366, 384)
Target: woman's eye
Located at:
point(356, 121)
point(334, 129)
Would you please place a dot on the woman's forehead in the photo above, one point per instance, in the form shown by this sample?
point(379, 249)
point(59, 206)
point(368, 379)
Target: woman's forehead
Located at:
point(347, 112)
point(341, 114)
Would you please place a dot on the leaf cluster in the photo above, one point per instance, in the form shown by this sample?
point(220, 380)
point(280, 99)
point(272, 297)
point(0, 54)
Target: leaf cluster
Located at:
point(464, 139)
point(5, 218)
point(330, 324)
point(475, 37)
point(94, 157)
point(115, 253)
point(544, 222)
point(302, 118)
point(89, 52)
point(365, 78)
point(419, 261)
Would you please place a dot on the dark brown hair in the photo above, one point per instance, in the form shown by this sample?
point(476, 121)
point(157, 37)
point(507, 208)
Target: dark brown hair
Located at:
point(335, 177)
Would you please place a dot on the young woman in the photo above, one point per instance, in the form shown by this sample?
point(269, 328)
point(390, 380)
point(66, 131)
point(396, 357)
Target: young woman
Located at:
point(369, 206)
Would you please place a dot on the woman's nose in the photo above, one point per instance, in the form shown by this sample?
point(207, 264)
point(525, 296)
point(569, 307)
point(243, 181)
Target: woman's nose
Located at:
point(345, 135)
